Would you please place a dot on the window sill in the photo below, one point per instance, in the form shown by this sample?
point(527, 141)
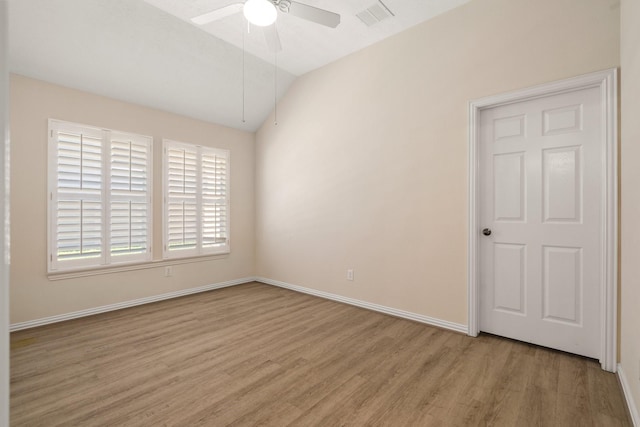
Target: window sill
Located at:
point(97, 271)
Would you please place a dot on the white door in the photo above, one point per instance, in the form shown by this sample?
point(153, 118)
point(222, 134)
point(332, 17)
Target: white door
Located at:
point(541, 201)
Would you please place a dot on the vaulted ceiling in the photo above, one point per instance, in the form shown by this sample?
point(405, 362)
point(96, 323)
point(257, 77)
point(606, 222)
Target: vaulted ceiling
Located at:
point(148, 52)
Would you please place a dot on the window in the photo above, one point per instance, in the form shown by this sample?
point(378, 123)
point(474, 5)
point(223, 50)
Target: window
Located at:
point(99, 197)
point(196, 200)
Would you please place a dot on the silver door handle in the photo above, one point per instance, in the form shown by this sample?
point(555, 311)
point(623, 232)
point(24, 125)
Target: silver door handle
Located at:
point(486, 232)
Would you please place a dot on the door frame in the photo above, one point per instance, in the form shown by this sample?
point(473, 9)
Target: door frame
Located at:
point(606, 81)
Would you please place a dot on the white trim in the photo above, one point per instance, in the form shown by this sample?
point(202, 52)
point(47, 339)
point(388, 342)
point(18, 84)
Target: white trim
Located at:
point(117, 306)
point(4, 214)
point(473, 300)
point(607, 82)
point(117, 268)
point(631, 404)
point(457, 327)
point(609, 275)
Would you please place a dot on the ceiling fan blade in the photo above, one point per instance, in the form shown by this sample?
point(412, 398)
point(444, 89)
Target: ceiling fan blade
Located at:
point(217, 14)
point(272, 38)
point(310, 13)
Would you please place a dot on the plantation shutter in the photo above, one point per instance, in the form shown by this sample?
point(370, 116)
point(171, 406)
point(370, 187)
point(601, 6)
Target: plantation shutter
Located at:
point(182, 218)
point(214, 199)
point(100, 197)
point(130, 198)
point(196, 200)
point(77, 203)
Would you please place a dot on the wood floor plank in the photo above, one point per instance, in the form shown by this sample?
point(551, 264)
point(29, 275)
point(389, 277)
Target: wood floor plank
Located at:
point(256, 355)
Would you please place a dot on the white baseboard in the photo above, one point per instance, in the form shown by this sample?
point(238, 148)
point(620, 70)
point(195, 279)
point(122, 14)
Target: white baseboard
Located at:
point(633, 409)
point(358, 303)
point(363, 304)
point(117, 306)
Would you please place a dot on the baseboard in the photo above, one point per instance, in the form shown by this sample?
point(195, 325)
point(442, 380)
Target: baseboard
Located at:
point(631, 405)
point(111, 307)
point(370, 306)
point(132, 303)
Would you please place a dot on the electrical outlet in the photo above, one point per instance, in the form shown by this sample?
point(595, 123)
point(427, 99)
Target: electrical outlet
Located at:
point(168, 271)
point(350, 274)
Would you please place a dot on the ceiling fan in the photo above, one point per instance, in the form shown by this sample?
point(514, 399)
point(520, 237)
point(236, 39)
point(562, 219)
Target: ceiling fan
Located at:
point(263, 13)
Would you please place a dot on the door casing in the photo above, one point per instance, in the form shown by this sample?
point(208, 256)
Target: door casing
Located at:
point(606, 81)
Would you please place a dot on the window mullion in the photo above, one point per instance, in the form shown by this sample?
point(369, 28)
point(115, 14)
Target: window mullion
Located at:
point(130, 166)
point(149, 200)
point(199, 206)
point(166, 201)
point(106, 196)
point(53, 196)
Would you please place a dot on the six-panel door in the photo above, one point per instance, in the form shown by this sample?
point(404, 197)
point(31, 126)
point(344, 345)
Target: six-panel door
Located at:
point(541, 195)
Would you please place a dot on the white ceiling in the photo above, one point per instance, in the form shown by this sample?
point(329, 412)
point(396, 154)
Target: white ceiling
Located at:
point(139, 52)
point(129, 50)
point(307, 45)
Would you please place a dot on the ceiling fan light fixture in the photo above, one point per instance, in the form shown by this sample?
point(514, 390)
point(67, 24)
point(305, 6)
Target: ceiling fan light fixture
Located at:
point(260, 12)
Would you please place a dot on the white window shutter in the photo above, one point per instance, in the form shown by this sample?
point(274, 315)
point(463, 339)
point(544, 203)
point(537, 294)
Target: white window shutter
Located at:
point(196, 200)
point(78, 208)
point(100, 197)
point(214, 200)
point(130, 196)
point(182, 218)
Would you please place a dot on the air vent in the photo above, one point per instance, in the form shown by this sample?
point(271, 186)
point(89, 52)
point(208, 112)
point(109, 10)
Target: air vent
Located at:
point(375, 13)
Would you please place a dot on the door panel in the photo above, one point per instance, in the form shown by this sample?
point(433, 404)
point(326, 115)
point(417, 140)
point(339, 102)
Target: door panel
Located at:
point(562, 120)
point(509, 127)
point(540, 194)
point(562, 287)
point(509, 277)
point(562, 186)
point(509, 182)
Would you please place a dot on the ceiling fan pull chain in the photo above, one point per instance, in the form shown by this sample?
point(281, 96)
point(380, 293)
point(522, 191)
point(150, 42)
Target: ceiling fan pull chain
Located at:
point(275, 87)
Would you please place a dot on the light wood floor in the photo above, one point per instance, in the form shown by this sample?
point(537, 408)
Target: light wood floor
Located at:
point(259, 355)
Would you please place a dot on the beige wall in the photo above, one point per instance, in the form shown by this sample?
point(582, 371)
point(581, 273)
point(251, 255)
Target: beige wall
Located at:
point(630, 223)
point(33, 295)
point(367, 167)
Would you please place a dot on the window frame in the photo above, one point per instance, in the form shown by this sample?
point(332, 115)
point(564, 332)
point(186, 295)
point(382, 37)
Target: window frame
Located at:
point(199, 251)
point(106, 259)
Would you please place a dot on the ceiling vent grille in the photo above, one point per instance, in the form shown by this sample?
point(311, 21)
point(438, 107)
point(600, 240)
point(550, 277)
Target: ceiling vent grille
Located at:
point(375, 13)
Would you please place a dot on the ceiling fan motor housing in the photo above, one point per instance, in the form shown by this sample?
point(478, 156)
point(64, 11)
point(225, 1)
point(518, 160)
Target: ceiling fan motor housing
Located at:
point(283, 5)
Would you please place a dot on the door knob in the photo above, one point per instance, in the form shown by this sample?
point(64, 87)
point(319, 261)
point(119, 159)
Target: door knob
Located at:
point(486, 232)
